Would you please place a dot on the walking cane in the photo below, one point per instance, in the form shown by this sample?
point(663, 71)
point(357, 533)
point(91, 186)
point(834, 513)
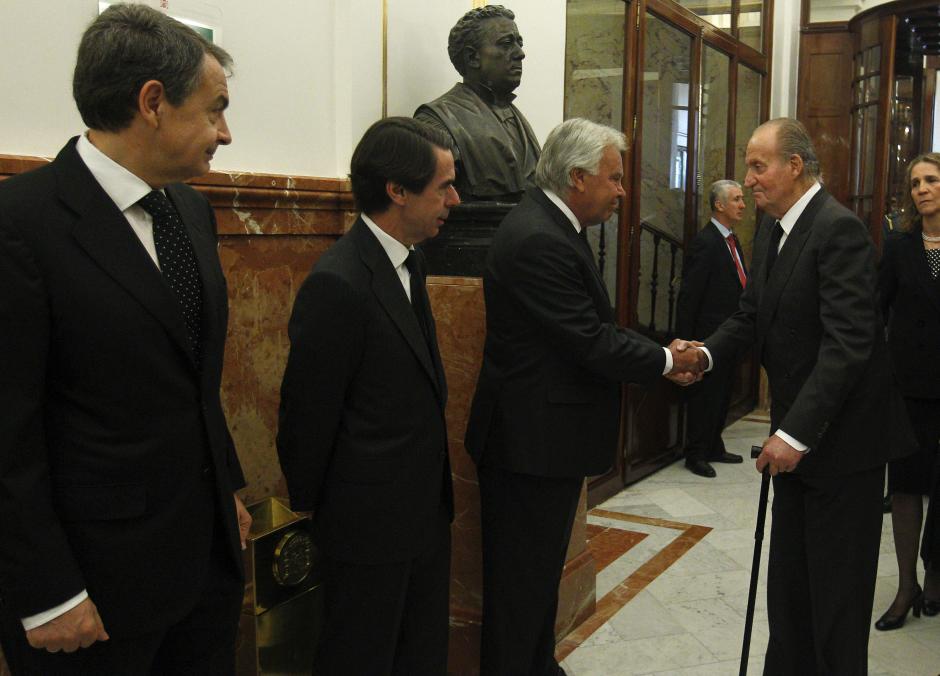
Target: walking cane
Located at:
point(755, 564)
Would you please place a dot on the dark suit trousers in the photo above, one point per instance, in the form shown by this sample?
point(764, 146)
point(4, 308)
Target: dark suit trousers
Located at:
point(706, 412)
point(389, 618)
point(526, 523)
point(824, 545)
point(200, 644)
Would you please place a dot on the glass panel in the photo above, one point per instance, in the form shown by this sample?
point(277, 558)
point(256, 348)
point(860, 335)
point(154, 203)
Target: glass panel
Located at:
point(664, 165)
point(750, 16)
point(821, 11)
point(594, 53)
point(905, 121)
point(856, 178)
point(872, 84)
point(870, 126)
point(716, 12)
point(713, 127)
point(747, 118)
point(594, 48)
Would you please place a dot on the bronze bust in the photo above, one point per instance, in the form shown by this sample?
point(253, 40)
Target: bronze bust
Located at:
point(496, 148)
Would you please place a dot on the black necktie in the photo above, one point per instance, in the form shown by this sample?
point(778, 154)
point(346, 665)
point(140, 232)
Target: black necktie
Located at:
point(775, 236)
point(418, 294)
point(177, 263)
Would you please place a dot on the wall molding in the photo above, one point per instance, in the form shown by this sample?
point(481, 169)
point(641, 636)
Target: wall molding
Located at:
point(256, 204)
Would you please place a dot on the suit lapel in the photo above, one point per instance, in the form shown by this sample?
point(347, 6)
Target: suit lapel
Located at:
point(106, 236)
point(720, 244)
point(776, 281)
point(914, 251)
point(386, 285)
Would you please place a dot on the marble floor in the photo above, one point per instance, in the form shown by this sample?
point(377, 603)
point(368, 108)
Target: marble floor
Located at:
point(674, 553)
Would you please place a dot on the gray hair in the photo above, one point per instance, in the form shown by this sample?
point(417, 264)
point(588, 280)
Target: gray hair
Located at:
point(719, 191)
point(127, 45)
point(574, 144)
point(793, 139)
point(468, 32)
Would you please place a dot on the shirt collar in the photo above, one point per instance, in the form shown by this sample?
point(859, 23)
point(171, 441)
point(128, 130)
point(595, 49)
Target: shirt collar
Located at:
point(396, 251)
point(790, 218)
point(123, 187)
point(565, 209)
point(722, 229)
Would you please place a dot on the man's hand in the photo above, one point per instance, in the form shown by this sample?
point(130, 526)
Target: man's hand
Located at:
point(76, 628)
point(688, 362)
point(244, 520)
point(778, 455)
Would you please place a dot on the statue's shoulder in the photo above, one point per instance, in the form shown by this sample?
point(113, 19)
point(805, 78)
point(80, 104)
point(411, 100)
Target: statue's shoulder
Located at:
point(457, 99)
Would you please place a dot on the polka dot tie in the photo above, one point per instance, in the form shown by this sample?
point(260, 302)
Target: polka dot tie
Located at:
point(177, 263)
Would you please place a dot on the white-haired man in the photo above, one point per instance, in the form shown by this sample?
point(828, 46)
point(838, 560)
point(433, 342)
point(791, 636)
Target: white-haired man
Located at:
point(547, 406)
point(713, 276)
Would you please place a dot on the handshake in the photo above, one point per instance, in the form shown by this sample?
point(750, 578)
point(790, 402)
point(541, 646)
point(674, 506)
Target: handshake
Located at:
point(688, 362)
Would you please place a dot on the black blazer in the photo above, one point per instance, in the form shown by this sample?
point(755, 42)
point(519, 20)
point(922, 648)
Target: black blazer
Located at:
point(817, 327)
point(362, 438)
point(107, 424)
point(910, 300)
point(547, 401)
point(710, 286)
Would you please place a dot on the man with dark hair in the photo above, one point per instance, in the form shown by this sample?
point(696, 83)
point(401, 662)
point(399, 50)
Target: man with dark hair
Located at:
point(362, 438)
point(713, 276)
point(811, 311)
point(496, 149)
point(121, 535)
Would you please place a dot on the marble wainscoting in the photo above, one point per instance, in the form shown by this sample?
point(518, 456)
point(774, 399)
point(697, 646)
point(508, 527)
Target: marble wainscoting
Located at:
point(459, 312)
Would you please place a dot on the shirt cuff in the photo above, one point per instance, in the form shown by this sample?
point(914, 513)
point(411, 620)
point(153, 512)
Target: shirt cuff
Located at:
point(40, 619)
point(708, 355)
point(668, 362)
point(801, 447)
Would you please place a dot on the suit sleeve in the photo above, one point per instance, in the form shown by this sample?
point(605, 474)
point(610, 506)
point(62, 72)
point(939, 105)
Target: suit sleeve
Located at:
point(887, 278)
point(847, 312)
point(544, 279)
point(738, 333)
point(695, 272)
point(326, 335)
point(38, 570)
point(236, 476)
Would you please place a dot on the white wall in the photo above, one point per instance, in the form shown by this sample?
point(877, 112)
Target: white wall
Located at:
point(785, 62)
point(308, 73)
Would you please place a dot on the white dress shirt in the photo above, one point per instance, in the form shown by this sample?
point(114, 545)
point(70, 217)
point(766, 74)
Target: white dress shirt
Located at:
point(566, 210)
point(396, 251)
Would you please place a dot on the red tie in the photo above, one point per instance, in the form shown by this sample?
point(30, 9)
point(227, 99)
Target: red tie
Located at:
point(737, 262)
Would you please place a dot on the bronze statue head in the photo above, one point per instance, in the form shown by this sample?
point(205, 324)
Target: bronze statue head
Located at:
point(486, 49)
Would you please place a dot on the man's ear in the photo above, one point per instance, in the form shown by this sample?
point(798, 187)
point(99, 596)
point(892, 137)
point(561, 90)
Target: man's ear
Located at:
point(577, 179)
point(796, 164)
point(395, 192)
point(471, 57)
point(150, 99)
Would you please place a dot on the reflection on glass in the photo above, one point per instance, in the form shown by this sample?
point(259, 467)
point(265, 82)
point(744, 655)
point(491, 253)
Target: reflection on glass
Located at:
point(749, 23)
point(664, 157)
point(747, 118)
point(594, 90)
point(713, 127)
point(716, 12)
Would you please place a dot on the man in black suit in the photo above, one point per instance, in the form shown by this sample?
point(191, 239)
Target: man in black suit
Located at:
point(713, 276)
point(120, 532)
point(810, 311)
point(546, 411)
point(362, 437)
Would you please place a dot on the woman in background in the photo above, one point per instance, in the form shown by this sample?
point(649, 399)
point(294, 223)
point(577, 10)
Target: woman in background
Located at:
point(909, 284)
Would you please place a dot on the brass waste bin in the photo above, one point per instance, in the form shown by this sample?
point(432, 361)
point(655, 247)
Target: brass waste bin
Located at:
point(282, 612)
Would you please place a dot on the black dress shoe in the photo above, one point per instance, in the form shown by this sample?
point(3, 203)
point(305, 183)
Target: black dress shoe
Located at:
point(729, 458)
point(701, 468)
point(889, 622)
